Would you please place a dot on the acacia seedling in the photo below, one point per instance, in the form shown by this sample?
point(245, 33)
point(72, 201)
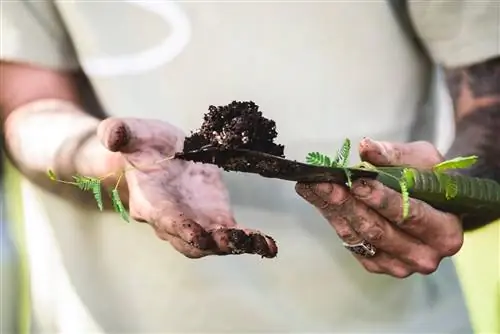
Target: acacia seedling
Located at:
point(94, 185)
point(408, 175)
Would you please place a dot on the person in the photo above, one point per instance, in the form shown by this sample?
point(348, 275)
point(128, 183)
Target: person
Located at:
point(323, 71)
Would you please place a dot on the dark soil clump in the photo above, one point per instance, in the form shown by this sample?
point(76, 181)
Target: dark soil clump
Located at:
point(238, 125)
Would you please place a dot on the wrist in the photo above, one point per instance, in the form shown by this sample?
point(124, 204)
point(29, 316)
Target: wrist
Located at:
point(94, 160)
point(46, 134)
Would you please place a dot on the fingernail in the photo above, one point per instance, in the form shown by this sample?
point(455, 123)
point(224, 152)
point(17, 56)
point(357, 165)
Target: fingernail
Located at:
point(116, 135)
point(323, 190)
point(361, 188)
point(379, 148)
point(259, 245)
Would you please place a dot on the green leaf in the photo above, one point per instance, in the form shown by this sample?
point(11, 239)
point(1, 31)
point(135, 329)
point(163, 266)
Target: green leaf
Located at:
point(97, 192)
point(409, 177)
point(85, 182)
point(451, 189)
point(52, 175)
point(348, 175)
point(118, 205)
point(342, 158)
point(449, 185)
point(456, 163)
point(406, 198)
point(318, 159)
point(92, 184)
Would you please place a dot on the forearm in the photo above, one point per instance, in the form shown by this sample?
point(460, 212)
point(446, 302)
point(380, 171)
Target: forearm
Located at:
point(56, 134)
point(475, 92)
point(45, 127)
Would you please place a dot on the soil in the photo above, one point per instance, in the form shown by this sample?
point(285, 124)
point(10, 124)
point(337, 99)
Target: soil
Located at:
point(237, 137)
point(238, 125)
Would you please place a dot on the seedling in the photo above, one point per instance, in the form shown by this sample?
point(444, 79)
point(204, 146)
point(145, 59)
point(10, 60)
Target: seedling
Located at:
point(406, 181)
point(94, 185)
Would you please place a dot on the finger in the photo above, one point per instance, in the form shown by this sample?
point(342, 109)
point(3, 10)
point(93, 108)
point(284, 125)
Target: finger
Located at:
point(329, 211)
point(239, 241)
point(383, 263)
point(175, 223)
point(220, 241)
point(375, 229)
point(129, 135)
point(419, 154)
point(183, 247)
point(440, 230)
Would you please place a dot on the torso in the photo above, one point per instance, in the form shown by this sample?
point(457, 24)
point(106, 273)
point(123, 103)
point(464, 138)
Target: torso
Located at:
point(324, 72)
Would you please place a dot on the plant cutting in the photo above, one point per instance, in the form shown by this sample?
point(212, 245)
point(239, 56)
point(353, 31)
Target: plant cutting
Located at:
point(238, 138)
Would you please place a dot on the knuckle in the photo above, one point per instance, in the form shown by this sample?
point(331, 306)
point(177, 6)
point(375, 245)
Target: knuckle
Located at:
point(451, 245)
point(428, 265)
point(433, 153)
point(338, 196)
point(417, 213)
point(371, 267)
point(400, 272)
point(371, 232)
point(347, 234)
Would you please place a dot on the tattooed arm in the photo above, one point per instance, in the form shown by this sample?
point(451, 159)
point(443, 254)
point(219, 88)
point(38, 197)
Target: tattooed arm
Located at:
point(475, 92)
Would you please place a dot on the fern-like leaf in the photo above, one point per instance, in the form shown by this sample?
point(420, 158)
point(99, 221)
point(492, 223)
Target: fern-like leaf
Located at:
point(406, 198)
point(449, 185)
point(451, 188)
point(118, 205)
point(342, 158)
point(318, 159)
point(456, 163)
point(92, 184)
point(84, 182)
point(408, 177)
point(97, 192)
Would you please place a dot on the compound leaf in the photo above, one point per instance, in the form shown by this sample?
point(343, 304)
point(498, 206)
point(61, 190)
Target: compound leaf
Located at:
point(456, 163)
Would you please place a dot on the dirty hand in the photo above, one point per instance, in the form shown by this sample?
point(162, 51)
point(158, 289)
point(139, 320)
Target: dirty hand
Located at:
point(372, 213)
point(185, 203)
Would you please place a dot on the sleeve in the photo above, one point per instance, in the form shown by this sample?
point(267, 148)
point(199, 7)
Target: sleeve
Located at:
point(33, 32)
point(458, 32)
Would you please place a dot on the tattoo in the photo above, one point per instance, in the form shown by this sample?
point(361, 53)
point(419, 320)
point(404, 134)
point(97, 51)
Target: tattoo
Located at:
point(474, 86)
point(475, 92)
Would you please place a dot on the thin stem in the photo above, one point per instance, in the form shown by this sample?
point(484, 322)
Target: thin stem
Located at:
point(154, 163)
point(66, 182)
point(118, 181)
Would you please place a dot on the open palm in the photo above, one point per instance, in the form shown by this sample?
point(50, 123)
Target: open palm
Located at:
point(185, 203)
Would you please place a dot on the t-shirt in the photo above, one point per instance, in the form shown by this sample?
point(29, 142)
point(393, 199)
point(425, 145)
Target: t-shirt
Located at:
point(323, 71)
point(468, 32)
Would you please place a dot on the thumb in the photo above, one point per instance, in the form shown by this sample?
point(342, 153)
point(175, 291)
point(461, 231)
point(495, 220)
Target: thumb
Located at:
point(129, 135)
point(418, 154)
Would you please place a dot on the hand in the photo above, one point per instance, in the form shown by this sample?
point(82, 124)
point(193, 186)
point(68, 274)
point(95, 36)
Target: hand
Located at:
point(372, 212)
point(185, 203)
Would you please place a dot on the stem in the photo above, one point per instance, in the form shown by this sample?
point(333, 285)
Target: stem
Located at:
point(66, 182)
point(122, 172)
point(119, 179)
point(154, 163)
